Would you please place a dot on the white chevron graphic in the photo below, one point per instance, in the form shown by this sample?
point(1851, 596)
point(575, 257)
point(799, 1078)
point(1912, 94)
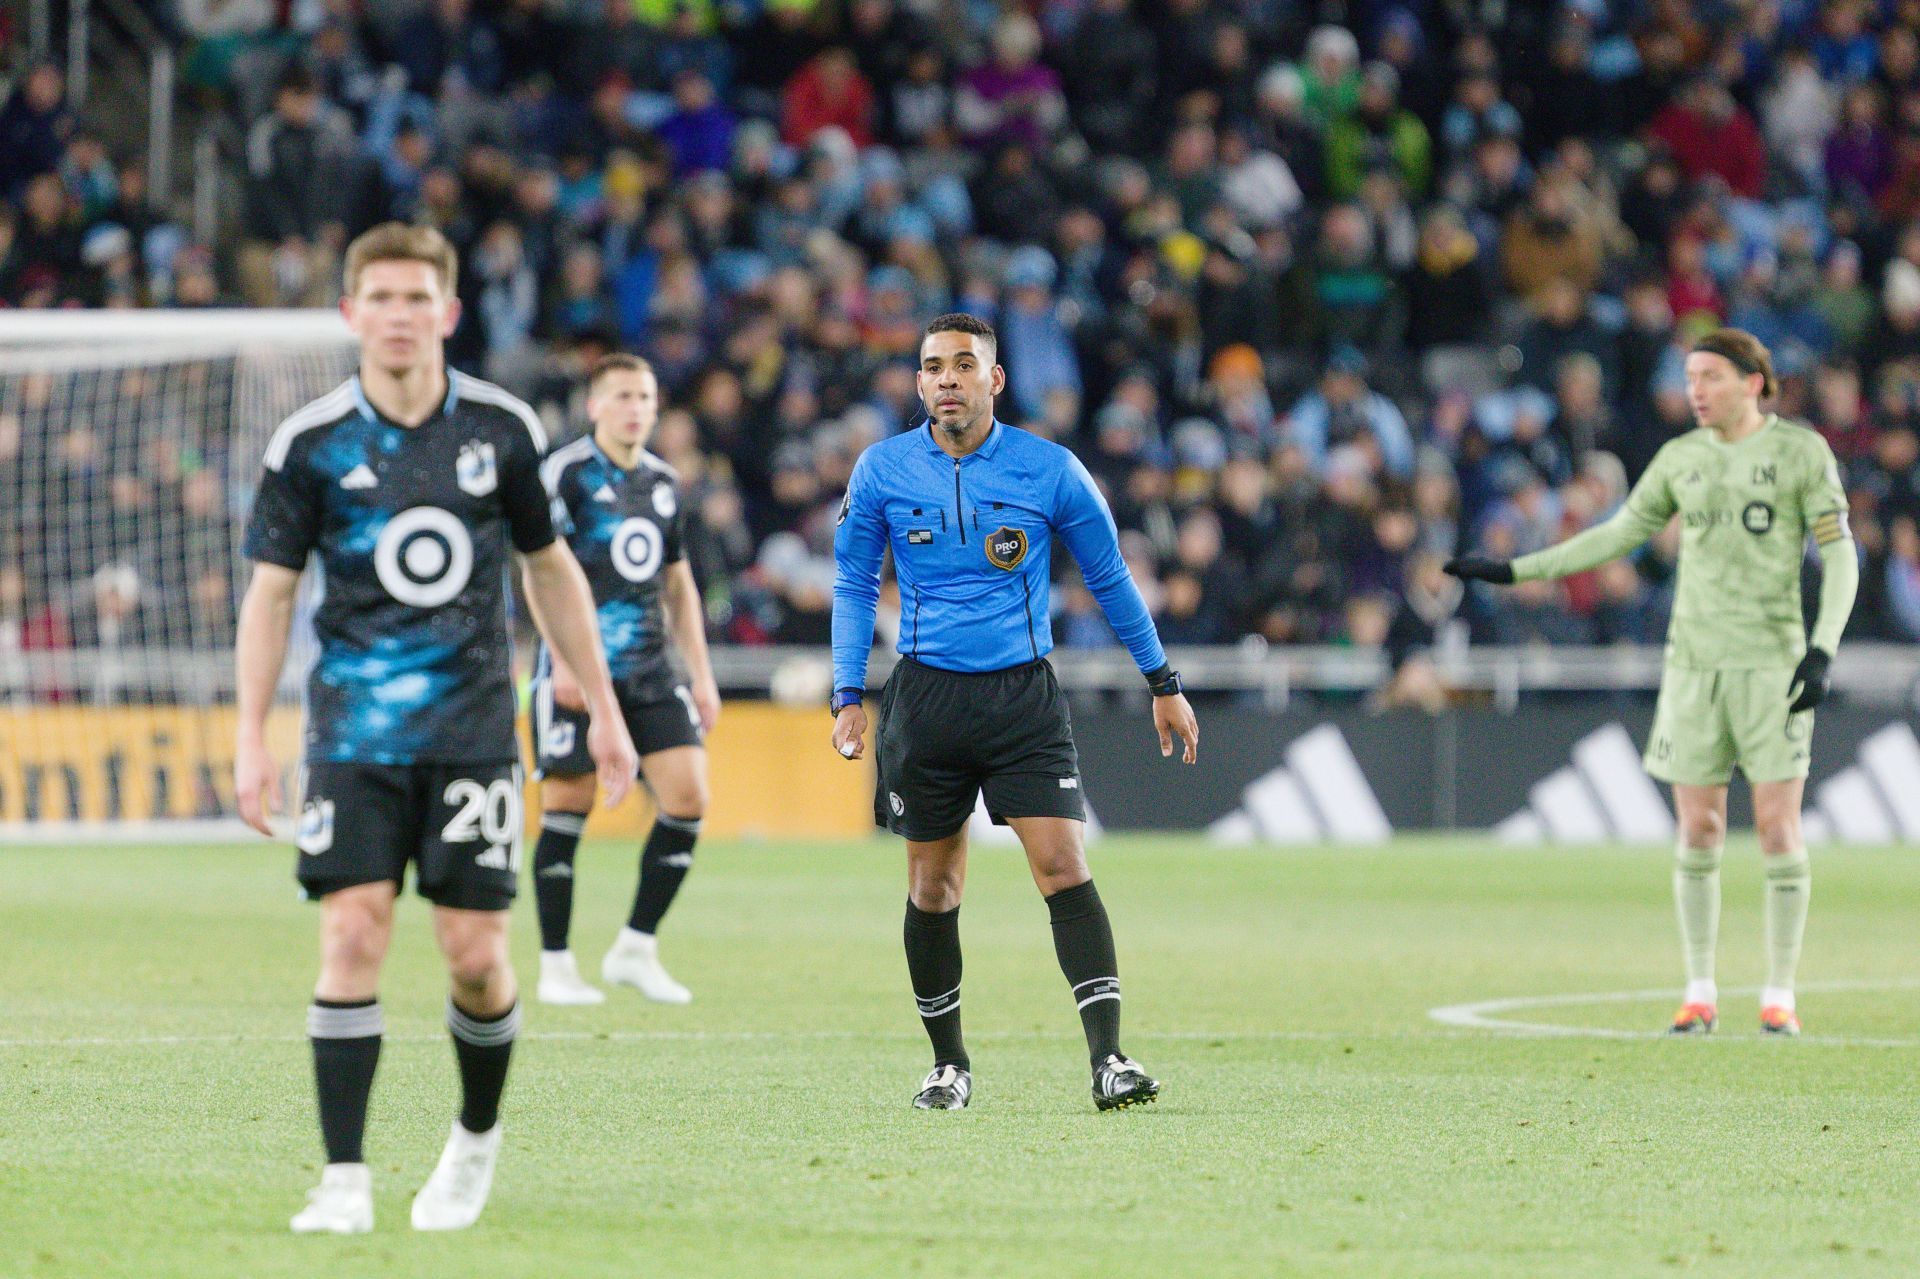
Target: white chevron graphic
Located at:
point(1319, 795)
point(1605, 796)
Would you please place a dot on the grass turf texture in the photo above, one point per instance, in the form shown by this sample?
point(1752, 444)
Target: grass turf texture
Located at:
point(1315, 1119)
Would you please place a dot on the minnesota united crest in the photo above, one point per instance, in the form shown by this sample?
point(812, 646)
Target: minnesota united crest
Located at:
point(475, 469)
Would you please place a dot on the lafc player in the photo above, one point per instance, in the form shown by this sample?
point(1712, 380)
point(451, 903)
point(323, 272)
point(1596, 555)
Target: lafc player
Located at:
point(409, 484)
point(1741, 677)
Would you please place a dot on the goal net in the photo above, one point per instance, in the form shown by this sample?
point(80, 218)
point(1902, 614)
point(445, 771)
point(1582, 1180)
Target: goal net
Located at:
point(130, 443)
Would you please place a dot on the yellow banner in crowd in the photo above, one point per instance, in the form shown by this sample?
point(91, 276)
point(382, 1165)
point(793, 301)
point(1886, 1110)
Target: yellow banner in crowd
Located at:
point(774, 773)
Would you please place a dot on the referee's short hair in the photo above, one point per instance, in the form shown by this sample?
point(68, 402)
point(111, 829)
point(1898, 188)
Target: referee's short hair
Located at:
point(961, 322)
point(1745, 352)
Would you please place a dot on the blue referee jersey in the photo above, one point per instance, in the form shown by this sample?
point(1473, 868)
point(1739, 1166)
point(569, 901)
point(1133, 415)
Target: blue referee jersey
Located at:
point(972, 542)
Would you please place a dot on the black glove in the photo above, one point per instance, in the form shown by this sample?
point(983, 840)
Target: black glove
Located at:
point(1481, 568)
point(1810, 677)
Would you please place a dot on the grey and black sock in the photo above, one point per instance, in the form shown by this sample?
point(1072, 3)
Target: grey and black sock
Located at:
point(664, 863)
point(483, 1046)
point(553, 876)
point(345, 1034)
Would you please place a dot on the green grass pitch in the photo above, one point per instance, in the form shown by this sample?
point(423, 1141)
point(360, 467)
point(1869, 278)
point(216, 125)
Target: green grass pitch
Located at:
point(156, 1116)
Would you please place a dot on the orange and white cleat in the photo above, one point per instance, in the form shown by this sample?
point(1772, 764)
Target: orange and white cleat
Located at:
point(1694, 1019)
point(1775, 1020)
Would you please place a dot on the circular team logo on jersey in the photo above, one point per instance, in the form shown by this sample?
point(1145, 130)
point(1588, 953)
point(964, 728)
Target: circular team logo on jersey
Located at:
point(663, 501)
point(424, 556)
point(1758, 517)
point(637, 548)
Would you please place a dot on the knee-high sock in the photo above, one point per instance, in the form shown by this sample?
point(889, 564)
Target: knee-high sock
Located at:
point(1696, 900)
point(483, 1046)
point(933, 966)
point(1789, 886)
point(664, 864)
point(553, 875)
point(1083, 942)
point(346, 1049)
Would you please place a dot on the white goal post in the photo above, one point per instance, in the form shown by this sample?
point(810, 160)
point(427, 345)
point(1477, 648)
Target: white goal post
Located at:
point(130, 442)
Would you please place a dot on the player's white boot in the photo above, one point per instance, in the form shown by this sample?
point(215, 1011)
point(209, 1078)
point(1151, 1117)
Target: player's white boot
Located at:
point(342, 1204)
point(561, 982)
point(634, 961)
point(457, 1191)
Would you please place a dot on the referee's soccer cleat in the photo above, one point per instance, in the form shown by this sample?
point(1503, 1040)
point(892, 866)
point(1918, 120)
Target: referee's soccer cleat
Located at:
point(945, 1088)
point(634, 961)
point(1694, 1019)
point(561, 982)
point(457, 1190)
point(342, 1204)
point(1118, 1082)
point(1775, 1020)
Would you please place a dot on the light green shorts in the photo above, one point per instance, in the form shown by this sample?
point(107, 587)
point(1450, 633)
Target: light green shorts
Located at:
point(1708, 721)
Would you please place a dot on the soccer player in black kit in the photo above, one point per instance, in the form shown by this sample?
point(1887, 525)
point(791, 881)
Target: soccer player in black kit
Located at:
point(409, 483)
point(617, 506)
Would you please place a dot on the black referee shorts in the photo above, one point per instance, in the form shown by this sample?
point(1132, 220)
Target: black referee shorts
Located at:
point(946, 736)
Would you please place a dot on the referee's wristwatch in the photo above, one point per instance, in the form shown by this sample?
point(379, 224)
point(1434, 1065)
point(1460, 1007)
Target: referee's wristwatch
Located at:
point(845, 697)
point(1165, 682)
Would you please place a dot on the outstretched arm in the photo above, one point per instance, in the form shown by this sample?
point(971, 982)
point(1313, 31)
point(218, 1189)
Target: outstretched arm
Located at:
point(562, 606)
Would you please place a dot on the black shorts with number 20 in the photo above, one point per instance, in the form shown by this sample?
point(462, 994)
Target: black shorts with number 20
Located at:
point(944, 737)
point(658, 719)
point(460, 824)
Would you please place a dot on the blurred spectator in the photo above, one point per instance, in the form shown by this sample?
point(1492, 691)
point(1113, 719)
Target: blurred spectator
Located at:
point(1709, 133)
point(34, 128)
point(1344, 410)
point(828, 91)
point(293, 229)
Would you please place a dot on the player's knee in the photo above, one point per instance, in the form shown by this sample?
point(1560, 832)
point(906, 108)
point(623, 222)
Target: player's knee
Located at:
point(1779, 833)
point(935, 886)
point(1704, 830)
point(475, 960)
point(687, 802)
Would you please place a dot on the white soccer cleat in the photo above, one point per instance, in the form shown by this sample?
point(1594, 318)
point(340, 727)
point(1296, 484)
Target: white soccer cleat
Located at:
point(457, 1191)
point(342, 1204)
point(634, 961)
point(561, 982)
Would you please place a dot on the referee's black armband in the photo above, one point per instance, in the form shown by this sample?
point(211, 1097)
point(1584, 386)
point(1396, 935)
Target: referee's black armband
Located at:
point(845, 697)
point(1164, 682)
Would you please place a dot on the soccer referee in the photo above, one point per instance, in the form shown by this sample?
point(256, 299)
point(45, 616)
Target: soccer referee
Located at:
point(970, 507)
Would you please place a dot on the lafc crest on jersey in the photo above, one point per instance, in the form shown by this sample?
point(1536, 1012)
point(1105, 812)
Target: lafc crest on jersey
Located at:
point(475, 469)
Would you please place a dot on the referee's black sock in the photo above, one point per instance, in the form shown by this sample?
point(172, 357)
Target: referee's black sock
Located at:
point(483, 1046)
point(553, 875)
point(933, 965)
point(664, 863)
point(1083, 940)
point(346, 1048)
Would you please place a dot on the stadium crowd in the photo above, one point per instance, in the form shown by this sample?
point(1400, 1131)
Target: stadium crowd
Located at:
point(1317, 304)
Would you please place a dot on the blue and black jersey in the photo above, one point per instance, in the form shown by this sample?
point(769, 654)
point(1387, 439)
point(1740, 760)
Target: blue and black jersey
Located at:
point(625, 527)
point(411, 528)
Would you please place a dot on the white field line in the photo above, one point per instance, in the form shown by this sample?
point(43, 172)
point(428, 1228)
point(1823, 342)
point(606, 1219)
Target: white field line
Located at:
point(1490, 1014)
point(700, 1036)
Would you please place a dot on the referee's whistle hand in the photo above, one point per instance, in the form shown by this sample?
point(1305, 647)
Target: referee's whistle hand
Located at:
point(1173, 717)
point(850, 731)
point(614, 757)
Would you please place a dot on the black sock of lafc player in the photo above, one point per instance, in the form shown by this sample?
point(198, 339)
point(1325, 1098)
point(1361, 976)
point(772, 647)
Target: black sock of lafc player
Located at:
point(483, 1046)
point(933, 966)
point(664, 863)
point(1083, 940)
point(346, 1048)
point(553, 875)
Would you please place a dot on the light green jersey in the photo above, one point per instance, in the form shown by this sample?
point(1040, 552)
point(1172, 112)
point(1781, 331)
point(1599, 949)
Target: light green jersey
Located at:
point(1746, 510)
